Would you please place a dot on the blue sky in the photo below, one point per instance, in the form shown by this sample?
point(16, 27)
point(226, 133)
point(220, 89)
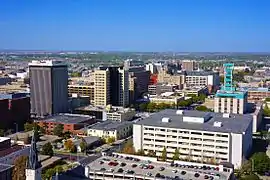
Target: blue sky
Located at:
point(136, 25)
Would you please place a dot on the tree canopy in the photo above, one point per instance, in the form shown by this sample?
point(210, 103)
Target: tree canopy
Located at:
point(47, 149)
point(83, 145)
point(260, 162)
point(58, 130)
point(164, 154)
point(18, 172)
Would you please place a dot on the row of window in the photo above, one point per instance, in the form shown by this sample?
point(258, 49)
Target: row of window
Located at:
point(184, 132)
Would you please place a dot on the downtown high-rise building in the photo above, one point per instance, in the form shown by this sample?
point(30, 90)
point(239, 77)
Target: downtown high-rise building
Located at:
point(48, 87)
point(111, 86)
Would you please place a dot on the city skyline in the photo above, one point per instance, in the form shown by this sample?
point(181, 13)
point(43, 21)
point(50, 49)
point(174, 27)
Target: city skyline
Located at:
point(175, 26)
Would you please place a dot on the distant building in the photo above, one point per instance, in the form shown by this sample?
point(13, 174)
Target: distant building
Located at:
point(82, 90)
point(131, 63)
point(256, 94)
point(5, 80)
point(189, 65)
point(170, 98)
point(138, 82)
point(193, 91)
point(50, 96)
point(111, 86)
point(151, 67)
point(159, 88)
point(110, 113)
point(71, 122)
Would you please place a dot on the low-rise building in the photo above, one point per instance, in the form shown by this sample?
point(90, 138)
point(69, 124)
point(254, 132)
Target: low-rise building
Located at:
point(199, 136)
point(113, 129)
point(256, 94)
point(193, 91)
point(159, 88)
point(71, 122)
point(82, 90)
point(115, 113)
point(168, 98)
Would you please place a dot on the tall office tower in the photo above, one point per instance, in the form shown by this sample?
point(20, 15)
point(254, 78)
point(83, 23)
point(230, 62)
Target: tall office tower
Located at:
point(228, 100)
point(111, 86)
point(48, 87)
point(189, 65)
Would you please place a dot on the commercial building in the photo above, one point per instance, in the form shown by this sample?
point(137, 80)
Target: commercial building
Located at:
point(202, 78)
point(160, 88)
point(193, 91)
point(151, 67)
point(171, 98)
point(178, 79)
point(49, 87)
point(199, 136)
point(138, 82)
point(148, 168)
point(189, 65)
point(111, 129)
point(14, 110)
point(256, 94)
point(115, 113)
point(111, 86)
point(133, 63)
point(228, 100)
point(71, 122)
point(82, 90)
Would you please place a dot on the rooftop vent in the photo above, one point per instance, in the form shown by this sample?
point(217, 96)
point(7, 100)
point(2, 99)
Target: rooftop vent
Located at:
point(179, 112)
point(226, 115)
point(217, 124)
point(165, 119)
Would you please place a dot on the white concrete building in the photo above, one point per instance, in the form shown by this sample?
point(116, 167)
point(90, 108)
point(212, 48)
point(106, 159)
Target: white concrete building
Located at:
point(199, 136)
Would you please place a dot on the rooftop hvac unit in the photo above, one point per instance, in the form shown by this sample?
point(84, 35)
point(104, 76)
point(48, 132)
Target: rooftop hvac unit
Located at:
point(179, 112)
point(165, 119)
point(217, 124)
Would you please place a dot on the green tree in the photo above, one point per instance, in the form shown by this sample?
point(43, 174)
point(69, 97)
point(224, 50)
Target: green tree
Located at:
point(58, 130)
point(83, 145)
point(140, 152)
point(176, 155)
point(47, 149)
point(250, 177)
point(2, 132)
point(143, 107)
point(260, 162)
point(266, 110)
point(164, 154)
point(18, 172)
point(68, 145)
point(28, 127)
point(110, 140)
point(73, 149)
point(129, 148)
point(202, 108)
point(151, 107)
point(151, 153)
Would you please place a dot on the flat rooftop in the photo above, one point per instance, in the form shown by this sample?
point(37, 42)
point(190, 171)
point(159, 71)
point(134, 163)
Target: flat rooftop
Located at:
point(257, 89)
point(11, 150)
point(101, 165)
point(234, 124)
point(231, 94)
point(4, 139)
point(66, 118)
point(110, 125)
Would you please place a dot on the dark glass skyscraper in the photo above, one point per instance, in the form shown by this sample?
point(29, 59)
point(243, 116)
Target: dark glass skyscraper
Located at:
point(48, 87)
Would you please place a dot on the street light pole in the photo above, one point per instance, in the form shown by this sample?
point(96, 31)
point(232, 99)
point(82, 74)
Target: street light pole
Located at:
point(16, 127)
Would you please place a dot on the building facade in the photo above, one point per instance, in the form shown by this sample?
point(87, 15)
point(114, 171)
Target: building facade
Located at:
point(49, 87)
point(114, 129)
point(111, 86)
point(199, 136)
point(189, 65)
point(82, 90)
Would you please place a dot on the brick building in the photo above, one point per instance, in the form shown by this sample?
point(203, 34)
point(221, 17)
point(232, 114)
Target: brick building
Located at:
point(71, 122)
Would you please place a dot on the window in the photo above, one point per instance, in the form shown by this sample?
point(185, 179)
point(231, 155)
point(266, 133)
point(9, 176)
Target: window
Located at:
point(196, 133)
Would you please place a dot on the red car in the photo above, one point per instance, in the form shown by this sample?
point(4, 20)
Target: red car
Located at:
point(150, 166)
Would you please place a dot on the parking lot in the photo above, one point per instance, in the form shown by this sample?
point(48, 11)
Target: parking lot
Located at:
point(150, 170)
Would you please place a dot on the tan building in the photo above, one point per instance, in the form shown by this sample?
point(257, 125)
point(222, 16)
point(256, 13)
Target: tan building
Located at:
point(82, 90)
point(178, 79)
point(111, 86)
point(102, 87)
point(189, 65)
point(167, 98)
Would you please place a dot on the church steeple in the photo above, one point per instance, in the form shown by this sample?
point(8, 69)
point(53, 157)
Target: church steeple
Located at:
point(33, 162)
point(33, 169)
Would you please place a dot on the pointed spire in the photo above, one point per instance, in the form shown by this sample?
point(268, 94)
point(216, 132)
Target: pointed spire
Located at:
point(33, 162)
